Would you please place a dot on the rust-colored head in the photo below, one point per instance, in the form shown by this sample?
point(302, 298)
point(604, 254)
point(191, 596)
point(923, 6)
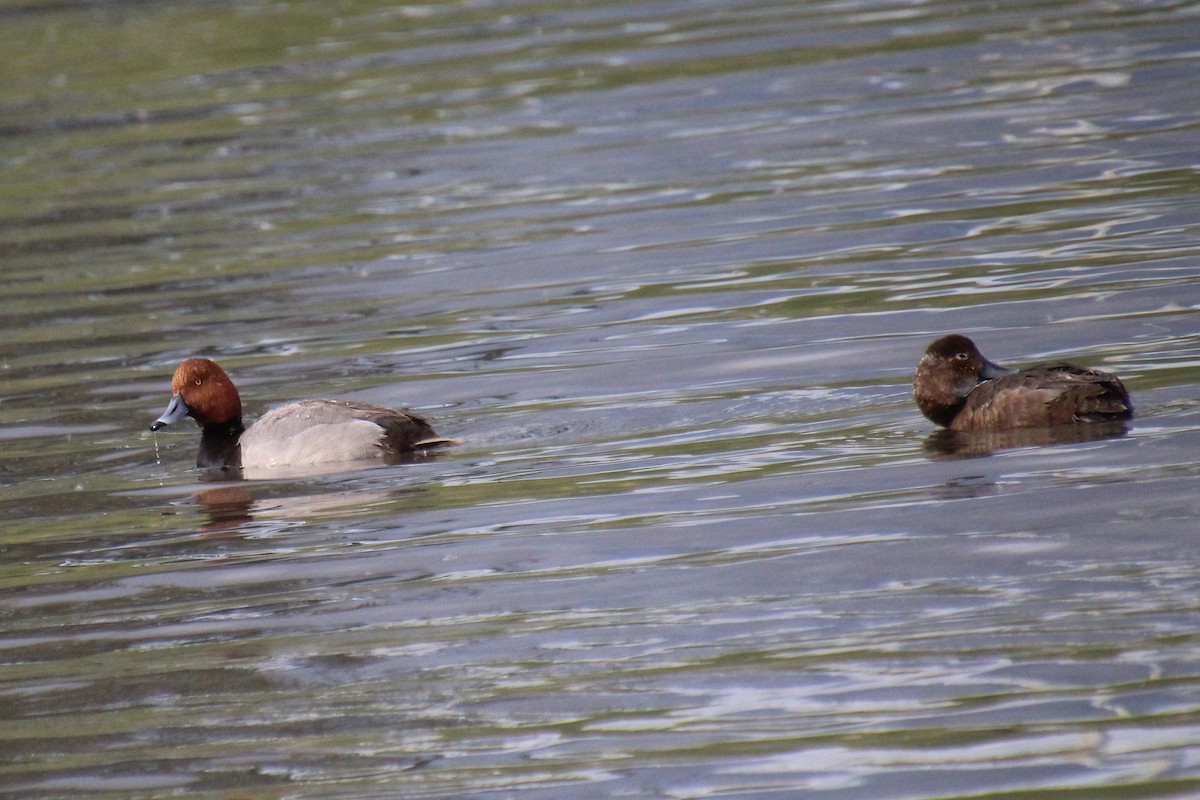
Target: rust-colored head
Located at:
point(949, 371)
point(201, 390)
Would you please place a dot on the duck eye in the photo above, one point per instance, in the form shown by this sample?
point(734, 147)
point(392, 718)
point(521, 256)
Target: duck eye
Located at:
point(959, 356)
point(198, 381)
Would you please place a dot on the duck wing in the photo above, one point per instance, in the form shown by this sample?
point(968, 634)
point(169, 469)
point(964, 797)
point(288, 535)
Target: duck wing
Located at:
point(312, 420)
point(1046, 394)
point(404, 431)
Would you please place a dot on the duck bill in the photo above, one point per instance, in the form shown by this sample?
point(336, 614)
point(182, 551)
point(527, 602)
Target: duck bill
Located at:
point(991, 370)
point(176, 410)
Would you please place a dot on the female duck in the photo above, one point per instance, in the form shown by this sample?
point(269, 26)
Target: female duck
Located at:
point(303, 433)
point(958, 388)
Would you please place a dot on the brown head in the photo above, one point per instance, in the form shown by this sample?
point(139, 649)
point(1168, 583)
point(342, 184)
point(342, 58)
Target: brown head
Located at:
point(201, 390)
point(949, 371)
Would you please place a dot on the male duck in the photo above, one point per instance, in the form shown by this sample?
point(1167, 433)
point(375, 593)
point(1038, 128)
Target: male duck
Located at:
point(298, 434)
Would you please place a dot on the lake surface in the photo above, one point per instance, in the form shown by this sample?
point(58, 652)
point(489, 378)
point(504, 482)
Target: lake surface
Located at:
point(666, 269)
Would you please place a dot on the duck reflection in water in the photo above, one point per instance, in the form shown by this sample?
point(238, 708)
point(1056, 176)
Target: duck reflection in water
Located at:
point(234, 510)
point(986, 407)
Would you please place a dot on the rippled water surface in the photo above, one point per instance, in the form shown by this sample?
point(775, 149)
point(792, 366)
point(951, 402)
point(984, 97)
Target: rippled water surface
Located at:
point(666, 268)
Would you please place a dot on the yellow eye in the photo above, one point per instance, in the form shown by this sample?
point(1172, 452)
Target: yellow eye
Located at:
point(198, 381)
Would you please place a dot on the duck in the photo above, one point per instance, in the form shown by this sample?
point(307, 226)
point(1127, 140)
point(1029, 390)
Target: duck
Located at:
point(958, 388)
point(302, 433)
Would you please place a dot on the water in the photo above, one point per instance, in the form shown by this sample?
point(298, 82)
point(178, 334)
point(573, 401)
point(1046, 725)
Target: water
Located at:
point(667, 269)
